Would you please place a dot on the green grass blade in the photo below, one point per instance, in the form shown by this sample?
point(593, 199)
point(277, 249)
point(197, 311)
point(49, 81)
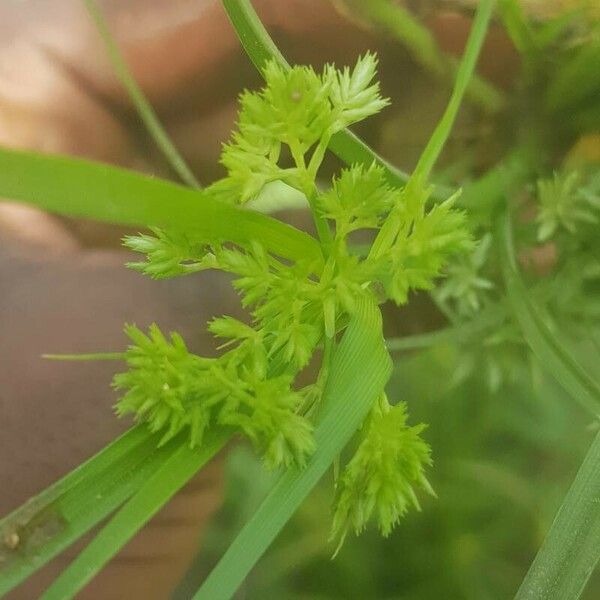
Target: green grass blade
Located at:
point(571, 549)
point(182, 464)
point(82, 188)
point(463, 77)
point(359, 371)
point(143, 107)
point(48, 523)
point(543, 341)
point(260, 48)
point(252, 34)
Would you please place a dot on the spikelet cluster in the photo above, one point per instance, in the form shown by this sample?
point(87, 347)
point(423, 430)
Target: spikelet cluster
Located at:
point(296, 308)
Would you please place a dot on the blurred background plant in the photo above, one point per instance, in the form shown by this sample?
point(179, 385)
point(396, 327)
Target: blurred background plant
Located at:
point(503, 461)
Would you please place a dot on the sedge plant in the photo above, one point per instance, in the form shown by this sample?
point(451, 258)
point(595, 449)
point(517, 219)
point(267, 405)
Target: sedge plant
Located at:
point(312, 307)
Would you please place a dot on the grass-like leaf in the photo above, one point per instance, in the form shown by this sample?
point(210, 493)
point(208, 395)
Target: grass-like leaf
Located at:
point(143, 107)
point(359, 372)
point(571, 549)
point(80, 188)
point(543, 341)
point(48, 523)
point(518, 28)
point(182, 464)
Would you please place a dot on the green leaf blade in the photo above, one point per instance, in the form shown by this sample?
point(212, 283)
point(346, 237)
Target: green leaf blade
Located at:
point(179, 467)
point(51, 521)
point(571, 549)
point(81, 188)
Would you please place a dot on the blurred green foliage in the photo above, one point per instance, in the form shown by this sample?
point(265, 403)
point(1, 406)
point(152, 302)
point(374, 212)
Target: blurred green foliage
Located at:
point(506, 438)
point(503, 462)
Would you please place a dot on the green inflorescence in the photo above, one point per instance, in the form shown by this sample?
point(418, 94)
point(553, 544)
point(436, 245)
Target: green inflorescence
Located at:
point(297, 308)
point(565, 203)
point(380, 477)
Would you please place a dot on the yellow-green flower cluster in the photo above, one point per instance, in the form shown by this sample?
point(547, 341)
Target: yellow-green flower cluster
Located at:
point(297, 308)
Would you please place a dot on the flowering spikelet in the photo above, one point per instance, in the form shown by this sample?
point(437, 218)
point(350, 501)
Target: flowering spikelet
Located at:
point(379, 479)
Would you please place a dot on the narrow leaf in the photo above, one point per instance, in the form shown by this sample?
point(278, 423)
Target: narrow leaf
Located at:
point(518, 28)
point(182, 464)
point(80, 188)
point(48, 523)
point(359, 372)
point(571, 549)
point(86, 357)
point(463, 77)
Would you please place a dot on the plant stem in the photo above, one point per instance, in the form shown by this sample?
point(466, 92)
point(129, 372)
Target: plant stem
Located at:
point(463, 77)
point(417, 184)
point(321, 225)
point(459, 333)
point(143, 107)
point(309, 189)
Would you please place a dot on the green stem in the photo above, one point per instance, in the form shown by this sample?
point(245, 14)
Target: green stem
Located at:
point(459, 333)
point(571, 549)
point(143, 107)
point(463, 77)
point(323, 230)
point(416, 186)
point(328, 352)
point(309, 189)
